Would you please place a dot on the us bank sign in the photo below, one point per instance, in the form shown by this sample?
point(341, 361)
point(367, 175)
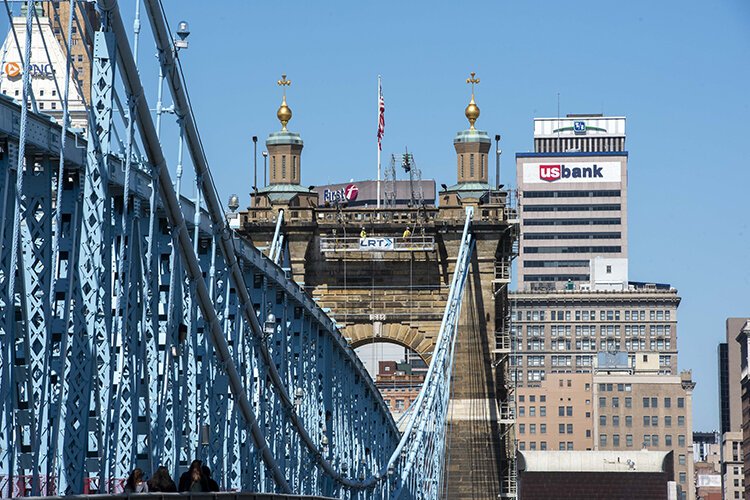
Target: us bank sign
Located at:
point(582, 172)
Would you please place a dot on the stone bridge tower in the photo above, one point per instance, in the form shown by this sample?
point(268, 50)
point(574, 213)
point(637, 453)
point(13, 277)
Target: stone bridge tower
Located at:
point(397, 294)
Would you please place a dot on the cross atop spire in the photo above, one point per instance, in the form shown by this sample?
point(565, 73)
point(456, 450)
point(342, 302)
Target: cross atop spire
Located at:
point(472, 81)
point(472, 110)
point(283, 83)
point(284, 113)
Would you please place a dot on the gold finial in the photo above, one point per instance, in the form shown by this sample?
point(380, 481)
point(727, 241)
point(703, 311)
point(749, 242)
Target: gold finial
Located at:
point(284, 114)
point(472, 110)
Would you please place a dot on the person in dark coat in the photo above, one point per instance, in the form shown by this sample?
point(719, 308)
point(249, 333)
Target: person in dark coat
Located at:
point(136, 483)
point(161, 481)
point(193, 480)
point(212, 485)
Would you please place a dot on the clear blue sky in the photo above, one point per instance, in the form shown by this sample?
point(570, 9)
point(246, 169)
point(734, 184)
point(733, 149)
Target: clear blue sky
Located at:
point(678, 70)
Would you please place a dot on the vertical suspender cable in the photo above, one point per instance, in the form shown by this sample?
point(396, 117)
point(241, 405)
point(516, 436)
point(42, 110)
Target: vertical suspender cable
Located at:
point(8, 392)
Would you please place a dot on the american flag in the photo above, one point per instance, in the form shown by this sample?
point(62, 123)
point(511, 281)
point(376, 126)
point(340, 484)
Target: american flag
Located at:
point(381, 116)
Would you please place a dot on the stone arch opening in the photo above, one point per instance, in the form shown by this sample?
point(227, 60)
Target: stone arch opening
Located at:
point(398, 371)
point(414, 338)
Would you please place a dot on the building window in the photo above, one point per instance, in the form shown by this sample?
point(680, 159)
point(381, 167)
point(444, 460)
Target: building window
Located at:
point(654, 439)
point(654, 421)
point(560, 411)
point(570, 428)
point(561, 446)
point(522, 428)
point(41, 92)
point(654, 402)
point(561, 428)
point(532, 428)
point(683, 477)
point(628, 402)
point(681, 440)
point(294, 167)
point(680, 420)
point(629, 440)
point(532, 411)
point(54, 105)
point(602, 402)
point(667, 421)
point(522, 445)
point(542, 411)
point(646, 440)
point(668, 439)
point(602, 420)
point(471, 165)
point(399, 404)
point(646, 421)
point(543, 445)
point(615, 402)
point(273, 161)
point(602, 440)
point(681, 459)
point(646, 402)
point(615, 440)
point(543, 428)
point(283, 166)
point(462, 166)
point(615, 420)
point(532, 445)
point(569, 411)
point(680, 402)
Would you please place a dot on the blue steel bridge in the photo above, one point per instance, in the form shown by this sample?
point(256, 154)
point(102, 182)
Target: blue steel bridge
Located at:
point(138, 329)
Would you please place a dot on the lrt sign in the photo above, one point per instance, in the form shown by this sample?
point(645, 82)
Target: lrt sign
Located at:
point(375, 244)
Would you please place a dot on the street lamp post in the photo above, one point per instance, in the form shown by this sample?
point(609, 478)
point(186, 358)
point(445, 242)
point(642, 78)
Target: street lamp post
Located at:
point(265, 167)
point(255, 167)
point(497, 160)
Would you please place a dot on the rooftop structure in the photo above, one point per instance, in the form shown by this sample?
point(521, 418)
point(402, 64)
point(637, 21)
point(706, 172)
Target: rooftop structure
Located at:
point(596, 474)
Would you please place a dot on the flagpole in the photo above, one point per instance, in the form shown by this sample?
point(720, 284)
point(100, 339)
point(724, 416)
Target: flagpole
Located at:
point(378, 183)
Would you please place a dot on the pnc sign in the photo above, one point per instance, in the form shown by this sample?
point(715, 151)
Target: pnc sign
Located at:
point(13, 70)
point(551, 173)
point(349, 193)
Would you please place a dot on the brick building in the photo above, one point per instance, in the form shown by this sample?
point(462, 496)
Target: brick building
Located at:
point(744, 340)
point(562, 331)
point(399, 384)
point(613, 408)
point(730, 409)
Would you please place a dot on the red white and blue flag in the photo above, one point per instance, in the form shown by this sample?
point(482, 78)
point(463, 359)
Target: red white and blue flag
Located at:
point(381, 116)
